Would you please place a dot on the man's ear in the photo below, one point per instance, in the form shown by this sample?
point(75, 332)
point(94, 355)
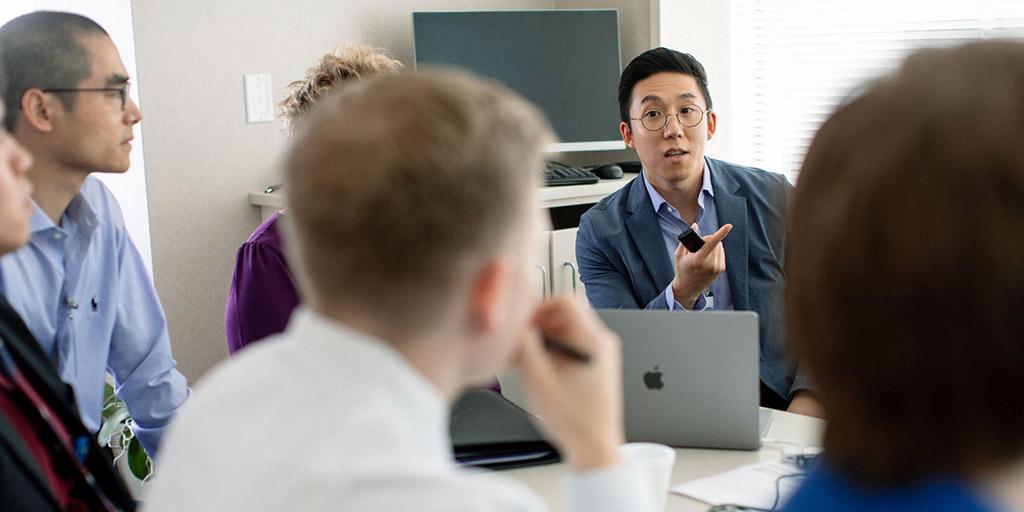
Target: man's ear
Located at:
point(38, 109)
point(627, 134)
point(712, 123)
point(487, 295)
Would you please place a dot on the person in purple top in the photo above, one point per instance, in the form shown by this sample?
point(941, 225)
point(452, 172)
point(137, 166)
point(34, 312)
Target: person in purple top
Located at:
point(263, 293)
point(906, 287)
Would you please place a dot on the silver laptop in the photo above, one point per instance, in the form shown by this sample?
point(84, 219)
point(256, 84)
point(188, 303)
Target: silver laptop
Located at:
point(690, 379)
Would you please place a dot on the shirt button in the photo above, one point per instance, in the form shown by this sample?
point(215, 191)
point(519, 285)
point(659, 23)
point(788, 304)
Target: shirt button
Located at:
point(58, 236)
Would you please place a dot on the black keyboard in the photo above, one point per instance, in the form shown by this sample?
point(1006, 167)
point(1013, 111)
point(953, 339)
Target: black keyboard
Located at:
point(557, 176)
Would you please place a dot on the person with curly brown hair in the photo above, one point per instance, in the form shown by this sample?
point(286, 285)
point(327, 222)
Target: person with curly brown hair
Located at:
point(263, 295)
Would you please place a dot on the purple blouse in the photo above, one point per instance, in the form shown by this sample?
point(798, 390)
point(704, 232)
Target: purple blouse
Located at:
point(263, 293)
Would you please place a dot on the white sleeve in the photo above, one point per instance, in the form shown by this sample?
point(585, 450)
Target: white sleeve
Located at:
point(617, 488)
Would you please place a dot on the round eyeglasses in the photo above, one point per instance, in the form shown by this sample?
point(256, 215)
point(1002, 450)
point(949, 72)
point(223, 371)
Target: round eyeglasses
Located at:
point(656, 119)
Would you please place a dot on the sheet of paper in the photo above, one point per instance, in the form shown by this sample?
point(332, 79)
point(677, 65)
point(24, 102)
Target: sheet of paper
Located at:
point(752, 485)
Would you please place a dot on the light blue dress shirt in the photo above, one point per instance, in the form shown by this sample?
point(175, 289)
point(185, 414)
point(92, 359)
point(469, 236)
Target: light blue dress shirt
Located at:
point(85, 294)
point(672, 224)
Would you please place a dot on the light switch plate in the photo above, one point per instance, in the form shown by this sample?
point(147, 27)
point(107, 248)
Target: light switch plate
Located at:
point(259, 98)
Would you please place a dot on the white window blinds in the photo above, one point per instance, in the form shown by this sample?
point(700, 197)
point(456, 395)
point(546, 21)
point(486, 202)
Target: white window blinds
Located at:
point(793, 61)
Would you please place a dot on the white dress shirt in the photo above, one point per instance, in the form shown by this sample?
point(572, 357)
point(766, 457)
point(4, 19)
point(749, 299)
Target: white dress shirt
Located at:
point(322, 417)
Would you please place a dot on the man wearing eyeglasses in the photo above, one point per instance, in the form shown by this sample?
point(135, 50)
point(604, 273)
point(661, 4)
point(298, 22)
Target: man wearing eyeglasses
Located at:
point(627, 247)
point(80, 284)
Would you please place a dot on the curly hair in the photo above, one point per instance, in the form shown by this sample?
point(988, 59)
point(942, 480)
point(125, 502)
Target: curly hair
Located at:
point(345, 63)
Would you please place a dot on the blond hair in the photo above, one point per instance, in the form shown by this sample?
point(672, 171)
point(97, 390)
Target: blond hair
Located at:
point(389, 212)
point(345, 63)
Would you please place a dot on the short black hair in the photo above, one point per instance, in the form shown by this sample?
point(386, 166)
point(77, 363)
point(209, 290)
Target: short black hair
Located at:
point(43, 49)
point(652, 62)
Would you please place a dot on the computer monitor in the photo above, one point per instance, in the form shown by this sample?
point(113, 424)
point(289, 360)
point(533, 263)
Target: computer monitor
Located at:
point(564, 61)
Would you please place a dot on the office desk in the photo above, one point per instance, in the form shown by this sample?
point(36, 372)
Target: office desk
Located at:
point(548, 197)
point(691, 464)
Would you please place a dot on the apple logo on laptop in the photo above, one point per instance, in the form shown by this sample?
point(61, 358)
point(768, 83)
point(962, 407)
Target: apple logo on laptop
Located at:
point(652, 379)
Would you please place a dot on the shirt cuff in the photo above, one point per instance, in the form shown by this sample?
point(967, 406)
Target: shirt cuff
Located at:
point(615, 488)
point(674, 305)
point(800, 383)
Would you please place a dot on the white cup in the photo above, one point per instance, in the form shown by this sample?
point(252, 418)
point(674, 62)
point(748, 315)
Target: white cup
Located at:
point(654, 461)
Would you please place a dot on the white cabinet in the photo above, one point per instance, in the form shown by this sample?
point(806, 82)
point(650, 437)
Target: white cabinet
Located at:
point(558, 271)
point(541, 277)
point(565, 275)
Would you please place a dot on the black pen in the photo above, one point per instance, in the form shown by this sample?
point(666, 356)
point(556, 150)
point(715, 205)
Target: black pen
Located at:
point(561, 348)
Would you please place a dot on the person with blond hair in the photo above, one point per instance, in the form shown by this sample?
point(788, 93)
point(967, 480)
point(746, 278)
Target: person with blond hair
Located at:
point(413, 293)
point(263, 295)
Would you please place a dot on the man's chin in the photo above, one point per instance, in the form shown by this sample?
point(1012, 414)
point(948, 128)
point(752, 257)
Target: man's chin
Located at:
point(675, 170)
point(115, 168)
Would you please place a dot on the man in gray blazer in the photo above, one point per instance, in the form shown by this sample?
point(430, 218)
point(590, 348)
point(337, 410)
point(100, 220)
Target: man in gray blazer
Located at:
point(627, 250)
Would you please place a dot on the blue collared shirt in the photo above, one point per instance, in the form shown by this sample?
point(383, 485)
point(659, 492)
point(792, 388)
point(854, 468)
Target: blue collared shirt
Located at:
point(671, 224)
point(85, 294)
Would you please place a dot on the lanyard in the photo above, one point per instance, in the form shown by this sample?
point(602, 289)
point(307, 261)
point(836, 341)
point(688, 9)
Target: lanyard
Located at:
point(76, 448)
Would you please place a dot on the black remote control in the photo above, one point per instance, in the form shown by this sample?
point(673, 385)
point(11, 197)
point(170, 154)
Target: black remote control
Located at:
point(691, 240)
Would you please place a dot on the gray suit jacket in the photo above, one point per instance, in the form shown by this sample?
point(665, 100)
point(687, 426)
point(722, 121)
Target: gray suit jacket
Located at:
point(623, 262)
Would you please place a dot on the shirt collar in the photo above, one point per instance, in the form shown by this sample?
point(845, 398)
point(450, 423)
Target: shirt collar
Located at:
point(78, 211)
point(337, 344)
point(657, 200)
point(40, 222)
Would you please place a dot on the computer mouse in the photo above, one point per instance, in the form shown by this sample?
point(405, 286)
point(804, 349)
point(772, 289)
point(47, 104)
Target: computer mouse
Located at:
point(607, 171)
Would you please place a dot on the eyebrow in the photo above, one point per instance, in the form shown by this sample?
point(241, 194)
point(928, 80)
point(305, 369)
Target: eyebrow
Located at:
point(653, 97)
point(117, 79)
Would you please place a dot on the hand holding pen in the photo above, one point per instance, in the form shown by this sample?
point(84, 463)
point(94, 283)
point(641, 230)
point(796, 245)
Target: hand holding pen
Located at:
point(575, 383)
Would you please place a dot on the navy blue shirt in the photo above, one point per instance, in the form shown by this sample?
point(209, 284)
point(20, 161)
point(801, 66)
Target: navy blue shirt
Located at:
point(825, 489)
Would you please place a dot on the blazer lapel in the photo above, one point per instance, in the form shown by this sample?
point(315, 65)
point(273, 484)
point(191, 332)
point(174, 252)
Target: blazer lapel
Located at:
point(732, 209)
point(642, 225)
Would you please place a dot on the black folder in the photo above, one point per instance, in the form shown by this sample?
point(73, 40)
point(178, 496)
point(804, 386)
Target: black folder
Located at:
point(489, 431)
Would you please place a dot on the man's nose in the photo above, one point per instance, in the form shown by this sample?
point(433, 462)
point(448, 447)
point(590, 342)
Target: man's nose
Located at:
point(133, 112)
point(673, 128)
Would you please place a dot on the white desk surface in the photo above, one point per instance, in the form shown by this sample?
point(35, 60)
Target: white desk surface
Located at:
point(550, 197)
point(691, 464)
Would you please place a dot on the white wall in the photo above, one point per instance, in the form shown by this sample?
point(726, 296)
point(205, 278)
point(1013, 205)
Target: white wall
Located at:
point(203, 159)
point(701, 28)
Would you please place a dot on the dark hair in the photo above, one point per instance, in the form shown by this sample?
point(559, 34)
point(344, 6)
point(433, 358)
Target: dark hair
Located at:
point(905, 284)
point(44, 49)
point(652, 62)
